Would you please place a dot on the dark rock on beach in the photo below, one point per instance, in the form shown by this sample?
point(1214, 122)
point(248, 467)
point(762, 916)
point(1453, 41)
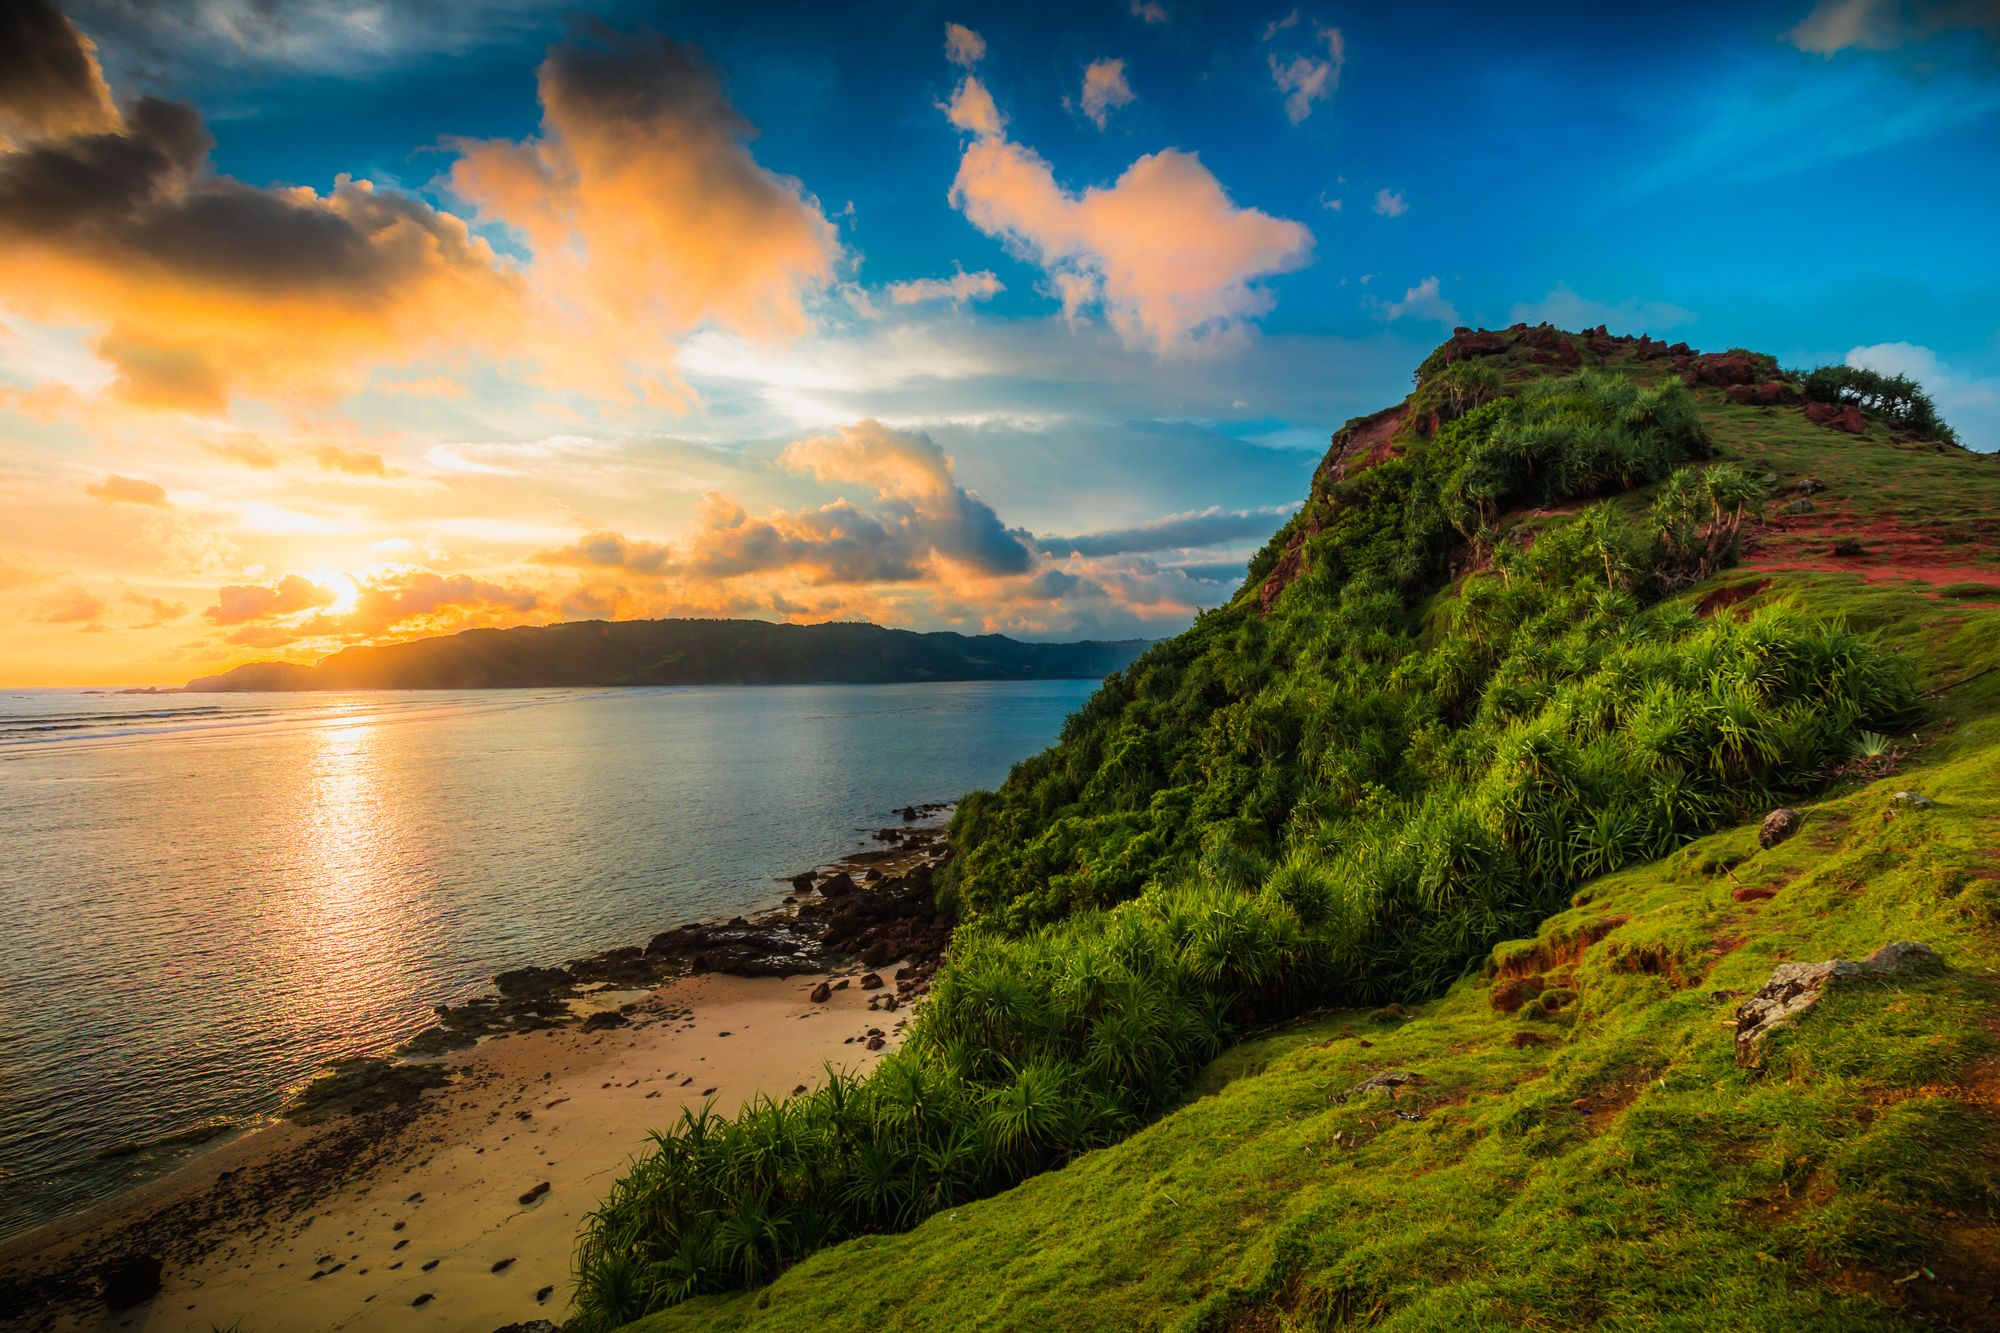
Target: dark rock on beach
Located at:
point(132, 1280)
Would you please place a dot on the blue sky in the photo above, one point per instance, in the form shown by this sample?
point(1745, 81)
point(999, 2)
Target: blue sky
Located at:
point(1343, 183)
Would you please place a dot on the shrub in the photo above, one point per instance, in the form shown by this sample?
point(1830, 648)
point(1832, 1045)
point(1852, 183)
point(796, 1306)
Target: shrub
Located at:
point(1898, 397)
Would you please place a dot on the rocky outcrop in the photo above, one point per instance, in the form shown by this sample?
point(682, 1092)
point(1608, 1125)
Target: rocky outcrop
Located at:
point(1770, 393)
point(1795, 988)
point(1837, 416)
point(1779, 825)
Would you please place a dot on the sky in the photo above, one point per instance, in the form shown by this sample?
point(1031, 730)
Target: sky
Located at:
point(336, 322)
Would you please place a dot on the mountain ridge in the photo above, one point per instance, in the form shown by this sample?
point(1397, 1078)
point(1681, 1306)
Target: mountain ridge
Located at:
point(597, 653)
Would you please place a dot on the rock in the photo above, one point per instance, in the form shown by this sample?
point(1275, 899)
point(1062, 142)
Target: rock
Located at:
point(1770, 393)
point(875, 1043)
point(1386, 1081)
point(1849, 548)
point(606, 1018)
point(503, 1265)
point(837, 885)
point(1800, 506)
point(1837, 416)
point(535, 1193)
point(821, 993)
point(803, 880)
point(534, 981)
point(873, 981)
point(422, 1300)
point(1911, 800)
point(132, 1280)
point(1722, 368)
point(871, 875)
point(532, 1325)
point(1795, 988)
point(1810, 486)
point(1779, 825)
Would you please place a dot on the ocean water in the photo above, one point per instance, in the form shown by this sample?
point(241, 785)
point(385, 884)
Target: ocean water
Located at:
point(206, 898)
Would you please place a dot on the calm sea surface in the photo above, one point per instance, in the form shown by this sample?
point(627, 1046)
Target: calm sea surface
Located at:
point(204, 898)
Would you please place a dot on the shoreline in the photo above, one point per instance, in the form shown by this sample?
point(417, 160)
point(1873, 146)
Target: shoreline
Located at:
point(379, 1194)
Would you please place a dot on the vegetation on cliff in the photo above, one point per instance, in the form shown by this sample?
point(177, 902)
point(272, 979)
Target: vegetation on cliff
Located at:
point(1472, 677)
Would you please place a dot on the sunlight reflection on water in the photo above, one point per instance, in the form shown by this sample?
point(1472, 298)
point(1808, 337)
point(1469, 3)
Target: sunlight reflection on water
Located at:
point(205, 898)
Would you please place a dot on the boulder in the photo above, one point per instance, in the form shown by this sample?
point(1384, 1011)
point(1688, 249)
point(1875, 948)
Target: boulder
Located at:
point(604, 1018)
point(1779, 825)
point(1769, 393)
point(873, 981)
point(1847, 548)
point(821, 993)
point(1810, 486)
point(1837, 416)
point(132, 1280)
point(1795, 988)
point(1911, 800)
point(802, 881)
point(837, 885)
point(533, 981)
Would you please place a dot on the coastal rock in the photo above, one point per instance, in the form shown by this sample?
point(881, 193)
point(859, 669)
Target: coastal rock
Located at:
point(821, 993)
point(533, 981)
point(132, 1280)
point(837, 885)
point(534, 1194)
point(802, 881)
point(872, 981)
point(876, 1043)
point(531, 1325)
point(1779, 825)
point(603, 1019)
point(1795, 988)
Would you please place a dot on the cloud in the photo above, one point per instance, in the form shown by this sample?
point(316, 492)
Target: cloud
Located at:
point(958, 289)
point(1883, 25)
point(971, 109)
point(1306, 78)
point(249, 453)
point(1564, 308)
point(50, 85)
point(963, 46)
point(647, 215)
point(71, 606)
point(1105, 90)
point(1276, 26)
point(433, 601)
point(353, 462)
point(1149, 11)
point(159, 611)
point(1390, 203)
point(1213, 526)
point(1422, 301)
point(204, 286)
point(1163, 250)
point(118, 490)
point(1969, 403)
point(238, 604)
point(610, 550)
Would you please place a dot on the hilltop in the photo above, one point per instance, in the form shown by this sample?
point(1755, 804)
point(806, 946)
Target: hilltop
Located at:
point(682, 652)
point(1396, 947)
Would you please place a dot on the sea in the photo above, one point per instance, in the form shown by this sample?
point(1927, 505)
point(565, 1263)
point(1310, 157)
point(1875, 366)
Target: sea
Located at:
point(205, 899)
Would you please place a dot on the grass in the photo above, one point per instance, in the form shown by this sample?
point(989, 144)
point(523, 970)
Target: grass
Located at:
point(1384, 775)
point(1618, 1170)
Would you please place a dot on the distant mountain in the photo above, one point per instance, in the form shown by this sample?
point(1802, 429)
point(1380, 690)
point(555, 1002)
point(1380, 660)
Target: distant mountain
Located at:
point(682, 652)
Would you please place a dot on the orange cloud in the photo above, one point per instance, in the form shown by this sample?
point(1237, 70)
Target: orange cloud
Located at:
point(963, 46)
point(354, 462)
point(115, 489)
point(958, 289)
point(238, 603)
point(647, 214)
point(1105, 90)
point(73, 605)
point(1163, 251)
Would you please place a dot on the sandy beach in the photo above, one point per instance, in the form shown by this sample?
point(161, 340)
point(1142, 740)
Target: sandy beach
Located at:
point(426, 1221)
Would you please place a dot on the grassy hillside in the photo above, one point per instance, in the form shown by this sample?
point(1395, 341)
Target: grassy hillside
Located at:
point(1457, 703)
point(682, 652)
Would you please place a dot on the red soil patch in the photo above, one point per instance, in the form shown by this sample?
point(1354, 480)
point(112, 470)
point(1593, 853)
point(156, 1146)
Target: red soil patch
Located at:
point(1891, 550)
point(1752, 895)
point(1723, 598)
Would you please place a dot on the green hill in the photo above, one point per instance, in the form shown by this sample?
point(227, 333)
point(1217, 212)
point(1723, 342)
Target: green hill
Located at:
point(682, 652)
point(1371, 955)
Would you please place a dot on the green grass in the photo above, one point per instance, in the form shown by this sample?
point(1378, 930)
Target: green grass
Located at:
point(1353, 795)
point(1791, 1197)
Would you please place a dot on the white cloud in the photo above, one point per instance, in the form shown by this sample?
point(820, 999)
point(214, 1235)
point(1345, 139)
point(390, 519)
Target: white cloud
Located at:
point(1105, 90)
point(1970, 404)
point(1422, 301)
point(963, 46)
point(1390, 203)
point(958, 289)
point(1304, 78)
point(1563, 307)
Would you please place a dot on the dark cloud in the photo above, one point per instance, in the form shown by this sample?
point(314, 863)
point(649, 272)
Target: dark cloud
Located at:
point(1209, 527)
point(49, 81)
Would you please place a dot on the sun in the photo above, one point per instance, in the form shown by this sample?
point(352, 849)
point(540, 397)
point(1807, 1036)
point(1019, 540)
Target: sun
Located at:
point(345, 588)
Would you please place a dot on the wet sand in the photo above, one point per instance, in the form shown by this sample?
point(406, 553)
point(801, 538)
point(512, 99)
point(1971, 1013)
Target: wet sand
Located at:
point(415, 1219)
